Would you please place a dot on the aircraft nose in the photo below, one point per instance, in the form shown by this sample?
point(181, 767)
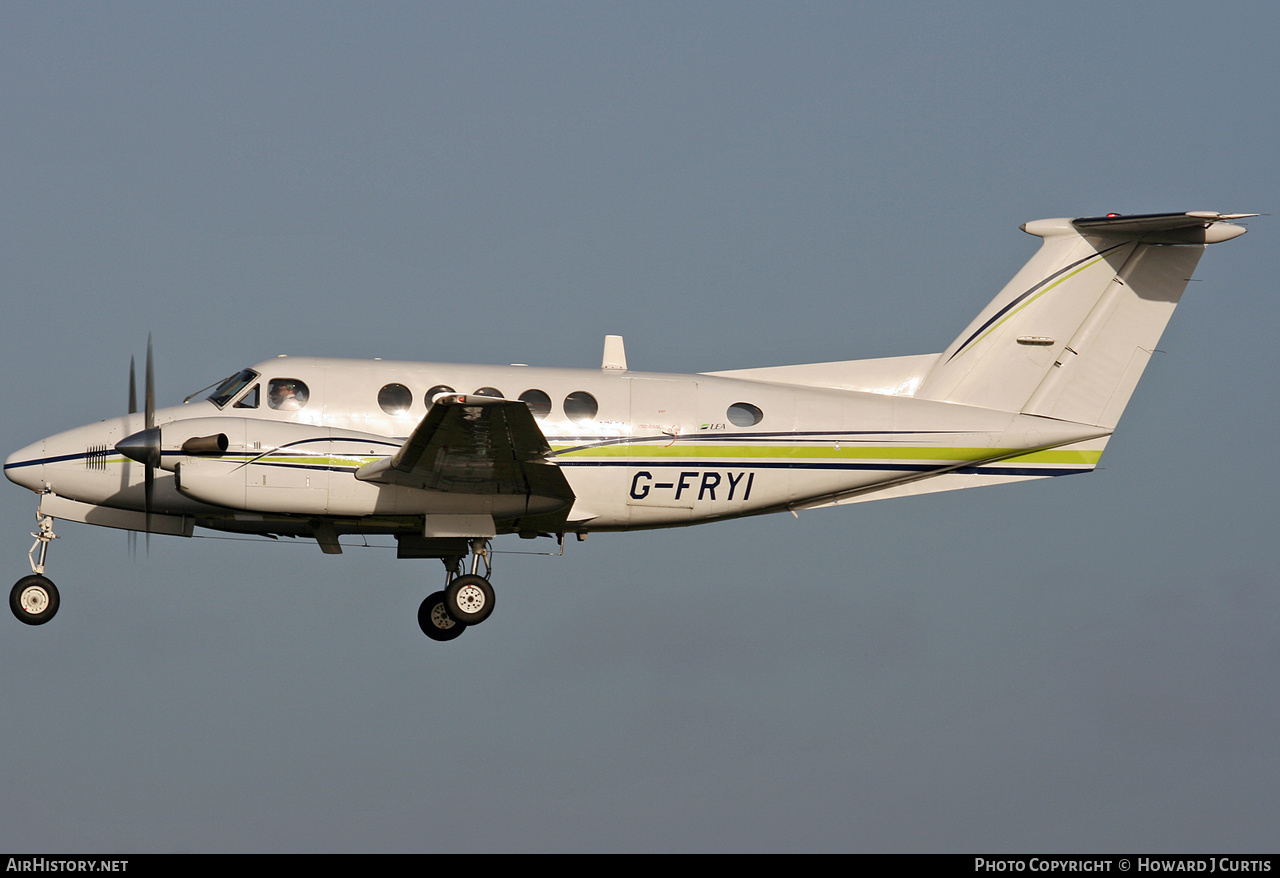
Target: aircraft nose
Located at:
point(25, 467)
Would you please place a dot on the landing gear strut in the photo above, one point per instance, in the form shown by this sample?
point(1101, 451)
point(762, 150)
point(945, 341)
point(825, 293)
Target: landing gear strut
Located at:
point(467, 599)
point(34, 599)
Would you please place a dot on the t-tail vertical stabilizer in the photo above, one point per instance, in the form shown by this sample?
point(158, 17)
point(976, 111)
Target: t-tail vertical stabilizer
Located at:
point(1069, 336)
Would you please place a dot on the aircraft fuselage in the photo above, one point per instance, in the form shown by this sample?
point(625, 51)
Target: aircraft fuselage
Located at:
point(659, 450)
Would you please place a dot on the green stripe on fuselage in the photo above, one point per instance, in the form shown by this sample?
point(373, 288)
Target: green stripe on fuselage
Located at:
point(811, 452)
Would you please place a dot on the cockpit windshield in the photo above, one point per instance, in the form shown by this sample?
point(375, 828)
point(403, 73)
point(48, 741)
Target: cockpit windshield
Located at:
point(227, 390)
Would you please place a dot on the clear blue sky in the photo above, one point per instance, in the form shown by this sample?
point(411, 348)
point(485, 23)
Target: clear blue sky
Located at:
point(1085, 664)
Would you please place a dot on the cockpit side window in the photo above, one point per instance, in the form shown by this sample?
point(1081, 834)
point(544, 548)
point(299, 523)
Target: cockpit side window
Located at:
point(231, 386)
point(249, 400)
point(287, 394)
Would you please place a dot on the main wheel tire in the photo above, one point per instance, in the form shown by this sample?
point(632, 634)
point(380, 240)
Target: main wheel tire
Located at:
point(34, 600)
point(435, 621)
point(469, 599)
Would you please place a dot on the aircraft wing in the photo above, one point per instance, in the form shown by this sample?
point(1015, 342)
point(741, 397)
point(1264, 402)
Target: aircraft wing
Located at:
point(471, 444)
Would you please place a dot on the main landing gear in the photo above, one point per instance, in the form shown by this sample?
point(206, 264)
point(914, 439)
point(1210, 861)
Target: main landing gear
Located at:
point(466, 600)
point(34, 599)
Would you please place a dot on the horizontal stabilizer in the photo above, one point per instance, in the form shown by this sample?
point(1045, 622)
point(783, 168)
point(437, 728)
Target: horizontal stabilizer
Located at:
point(1193, 227)
point(890, 376)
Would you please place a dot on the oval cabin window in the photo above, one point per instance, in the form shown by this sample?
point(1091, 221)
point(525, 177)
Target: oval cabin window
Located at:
point(580, 406)
point(436, 391)
point(538, 402)
point(744, 414)
point(395, 399)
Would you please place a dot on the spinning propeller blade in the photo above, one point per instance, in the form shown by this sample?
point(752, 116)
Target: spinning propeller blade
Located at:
point(133, 388)
point(144, 446)
point(151, 387)
point(153, 460)
point(133, 408)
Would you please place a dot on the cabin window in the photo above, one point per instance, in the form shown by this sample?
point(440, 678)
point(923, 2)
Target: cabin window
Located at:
point(489, 391)
point(744, 414)
point(395, 399)
point(580, 406)
point(287, 394)
point(538, 402)
point(249, 400)
point(436, 391)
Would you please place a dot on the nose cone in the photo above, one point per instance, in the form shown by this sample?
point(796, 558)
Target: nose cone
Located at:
point(26, 467)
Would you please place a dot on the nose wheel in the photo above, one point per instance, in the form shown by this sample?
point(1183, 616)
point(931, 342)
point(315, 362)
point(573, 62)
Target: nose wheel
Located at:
point(34, 599)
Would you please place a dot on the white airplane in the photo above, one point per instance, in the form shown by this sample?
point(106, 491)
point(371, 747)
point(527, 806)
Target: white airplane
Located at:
point(447, 457)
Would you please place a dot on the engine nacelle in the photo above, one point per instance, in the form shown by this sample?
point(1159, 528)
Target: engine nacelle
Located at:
point(269, 466)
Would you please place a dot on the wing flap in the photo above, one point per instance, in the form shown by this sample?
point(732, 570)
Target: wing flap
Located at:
point(474, 445)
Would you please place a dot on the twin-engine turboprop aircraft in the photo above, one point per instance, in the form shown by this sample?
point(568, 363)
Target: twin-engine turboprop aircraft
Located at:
point(445, 457)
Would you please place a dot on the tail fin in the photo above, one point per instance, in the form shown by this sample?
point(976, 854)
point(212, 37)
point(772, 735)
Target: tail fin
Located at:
point(1069, 336)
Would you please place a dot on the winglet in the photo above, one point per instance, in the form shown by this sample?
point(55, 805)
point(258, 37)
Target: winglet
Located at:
point(615, 354)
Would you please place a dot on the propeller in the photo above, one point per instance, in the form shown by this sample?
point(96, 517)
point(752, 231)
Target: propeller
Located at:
point(144, 446)
point(133, 407)
point(133, 389)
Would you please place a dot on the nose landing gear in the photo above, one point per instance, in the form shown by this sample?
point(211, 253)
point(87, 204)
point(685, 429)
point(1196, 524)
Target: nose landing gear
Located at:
point(34, 599)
